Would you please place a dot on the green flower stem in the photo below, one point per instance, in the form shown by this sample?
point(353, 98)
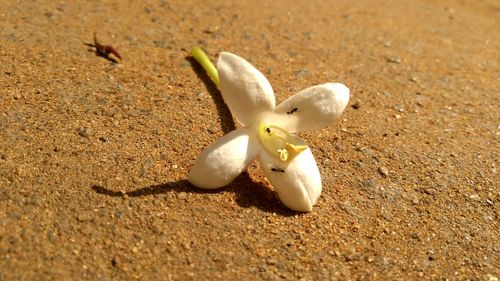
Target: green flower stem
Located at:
point(205, 62)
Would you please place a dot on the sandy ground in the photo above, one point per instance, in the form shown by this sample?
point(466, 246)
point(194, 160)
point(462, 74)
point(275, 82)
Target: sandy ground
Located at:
point(94, 154)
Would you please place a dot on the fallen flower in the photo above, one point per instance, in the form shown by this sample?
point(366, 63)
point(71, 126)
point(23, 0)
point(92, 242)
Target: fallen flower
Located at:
point(267, 132)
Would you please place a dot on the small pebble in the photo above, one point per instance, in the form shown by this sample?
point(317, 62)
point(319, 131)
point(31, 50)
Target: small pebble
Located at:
point(145, 168)
point(383, 171)
point(118, 214)
point(393, 59)
point(474, 197)
point(302, 72)
point(369, 183)
point(182, 195)
point(399, 108)
point(84, 132)
point(247, 36)
point(83, 217)
point(202, 42)
point(186, 245)
point(272, 261)
point(490, 277)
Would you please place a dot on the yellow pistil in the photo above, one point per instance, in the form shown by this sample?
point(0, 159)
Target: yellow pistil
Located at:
point(278, 142)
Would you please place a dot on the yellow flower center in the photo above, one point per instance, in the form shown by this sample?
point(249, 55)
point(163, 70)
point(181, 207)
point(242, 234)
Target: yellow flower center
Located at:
point(278, 142)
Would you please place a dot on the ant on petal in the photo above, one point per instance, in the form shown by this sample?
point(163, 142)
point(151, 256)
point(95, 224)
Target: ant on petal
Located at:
point(278, 170)
point(292, 110)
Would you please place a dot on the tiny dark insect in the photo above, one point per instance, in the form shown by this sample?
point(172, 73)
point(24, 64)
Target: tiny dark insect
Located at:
point(268, 130)
point(292, 111)
point(279, 170)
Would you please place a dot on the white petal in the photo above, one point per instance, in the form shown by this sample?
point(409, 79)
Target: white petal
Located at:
point(245, 90)
point(224, 160)
point(313, 108)
point(297, 182)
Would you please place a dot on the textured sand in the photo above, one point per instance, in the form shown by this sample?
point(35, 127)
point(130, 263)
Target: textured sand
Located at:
point(94, 155)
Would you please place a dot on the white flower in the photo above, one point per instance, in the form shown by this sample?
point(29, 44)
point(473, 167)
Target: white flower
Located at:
point(266, 133)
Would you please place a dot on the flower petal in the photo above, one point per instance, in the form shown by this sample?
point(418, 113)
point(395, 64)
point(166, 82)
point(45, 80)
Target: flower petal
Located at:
point(297, 182)
point(245, 90)
point(222, 161)
point(312, 108)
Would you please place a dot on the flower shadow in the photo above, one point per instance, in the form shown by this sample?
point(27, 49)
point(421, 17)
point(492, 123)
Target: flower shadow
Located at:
point(248, 193)
point(227, 122)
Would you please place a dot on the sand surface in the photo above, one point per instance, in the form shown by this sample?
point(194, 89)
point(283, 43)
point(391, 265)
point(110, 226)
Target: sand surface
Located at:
point(94, 154)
